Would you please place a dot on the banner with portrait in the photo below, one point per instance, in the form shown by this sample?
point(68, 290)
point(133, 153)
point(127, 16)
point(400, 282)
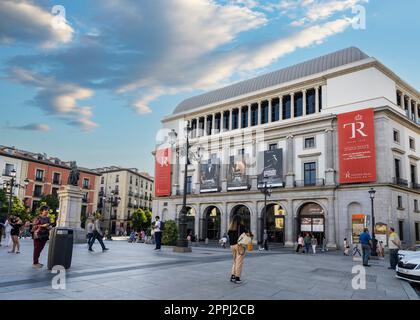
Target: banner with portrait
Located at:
point(270, 166)
point(209, 177)
point(237, 178)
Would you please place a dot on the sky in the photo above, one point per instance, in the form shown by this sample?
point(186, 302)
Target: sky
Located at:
point(91, 80)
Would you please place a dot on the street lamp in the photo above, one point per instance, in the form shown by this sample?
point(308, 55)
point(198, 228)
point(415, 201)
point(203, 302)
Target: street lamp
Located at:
point(372, 197)
point(266, 190)
point(182, 242)
point(112, 200)
point(10, 185)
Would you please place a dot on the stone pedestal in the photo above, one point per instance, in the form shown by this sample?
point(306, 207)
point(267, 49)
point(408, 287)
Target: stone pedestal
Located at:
point(70, 209)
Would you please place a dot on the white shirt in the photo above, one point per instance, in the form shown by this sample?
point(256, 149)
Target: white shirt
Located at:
point(157, 226)
point(90, 227)
point(393, 237)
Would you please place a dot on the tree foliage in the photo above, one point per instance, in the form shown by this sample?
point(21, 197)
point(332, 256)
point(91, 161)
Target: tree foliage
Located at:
point(51, 214)
point(138, 219)
point(170, 234)
point(51, 201)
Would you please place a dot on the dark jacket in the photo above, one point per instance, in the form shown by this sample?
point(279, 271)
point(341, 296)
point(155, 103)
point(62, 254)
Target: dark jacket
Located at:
point(234, 235)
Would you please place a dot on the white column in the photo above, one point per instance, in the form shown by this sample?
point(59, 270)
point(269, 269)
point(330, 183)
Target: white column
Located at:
point(259, 113)
point(304, 102)
point(402, 101)
point(409, 108)
point(249, 115)
point(197, 134)
point(416, 110)
point(270, 112)
point(205, 126)
point(316, 99)
point(281, 108)
point(240, 117)
point(230, 119)
point(213, 118)
point(292, 105)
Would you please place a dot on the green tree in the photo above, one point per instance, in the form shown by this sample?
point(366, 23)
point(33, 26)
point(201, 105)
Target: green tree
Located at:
point(51, 214)
point(138, 219)
point(3, 204)
point(149, 218)
point(170, 234)
point(19, 209)
point(51, 201)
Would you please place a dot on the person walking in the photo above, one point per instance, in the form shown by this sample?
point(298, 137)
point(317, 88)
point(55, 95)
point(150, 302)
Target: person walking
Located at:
point(158, 233)
point(89, 229)
point(366, 241)
point(394, 244)
point(307, 242)
point(41, 233)
point(16, 224)
point(346, 247)
point(7, 230)
point(236, 228)
point(314, 243)
point(324, 244)
point(97, 233)
point(300, 244)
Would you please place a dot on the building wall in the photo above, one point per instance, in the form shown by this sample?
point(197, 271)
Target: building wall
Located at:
point(20, 173)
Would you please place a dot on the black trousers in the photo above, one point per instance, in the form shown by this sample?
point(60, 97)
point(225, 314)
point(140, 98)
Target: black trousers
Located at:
point(96, 235)
point(158, 239)
point(393, 258)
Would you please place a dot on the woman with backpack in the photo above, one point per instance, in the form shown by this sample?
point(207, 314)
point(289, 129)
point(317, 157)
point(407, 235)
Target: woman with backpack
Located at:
point(236, 229)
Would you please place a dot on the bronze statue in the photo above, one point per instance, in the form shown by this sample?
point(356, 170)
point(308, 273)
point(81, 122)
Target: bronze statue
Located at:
point(74, 175)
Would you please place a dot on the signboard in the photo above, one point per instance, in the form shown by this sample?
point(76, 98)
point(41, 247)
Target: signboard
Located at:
point(163, 173)
point(358, 223)
point(356, 139)
point(306, 224)
point(271, 166)
point(209, 177)
point(237, 178)
point(381, 233)
point(318, 224)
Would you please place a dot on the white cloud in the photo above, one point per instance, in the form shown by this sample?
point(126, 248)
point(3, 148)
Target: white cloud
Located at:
point(32, 127)
point(58, 99)
point(25, 22)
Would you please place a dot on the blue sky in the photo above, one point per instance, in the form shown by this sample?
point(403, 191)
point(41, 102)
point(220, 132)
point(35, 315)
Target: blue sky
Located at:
point(94, 87)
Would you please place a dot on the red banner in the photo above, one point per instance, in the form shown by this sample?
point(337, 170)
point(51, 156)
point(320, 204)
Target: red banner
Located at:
point(163, 173)
point(356, 136)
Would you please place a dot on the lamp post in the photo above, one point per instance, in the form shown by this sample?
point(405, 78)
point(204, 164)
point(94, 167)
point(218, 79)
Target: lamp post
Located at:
point(266, 190)
point(111, 200)
point(182, 242)
point(372, 197)
point(10, 185)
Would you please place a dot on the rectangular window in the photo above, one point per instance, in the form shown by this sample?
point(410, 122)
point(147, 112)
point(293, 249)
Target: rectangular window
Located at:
point(235, 119)
point(298, 104)
point(417, 230)
point(398, 98)
point(194, 128)
point(226, 120)
point(309, 142)
point(38, 191)
point(8, 169)
point(310, 101)
point(217, 119)
point(254, 114)
point(320, 98)
point(209, 124)
point(85, 183)
point(399, 201)
point(286, 107)
point(137, 182)
point(131, 179)
point(244, 120)
point(117, 179)
point(102, 180)
point(272, 146)
point(412, 144)
point(397, 167)
point(275, 109)
point(416, 205)
point(56, 178)
point(401, 229)
point(264, 112)
point(54, 192)
point(39, 175)
point(35, 205)
point(413, 174)
point(396, 136)
point(189, 185)
point(310, 173)
point(201, 126)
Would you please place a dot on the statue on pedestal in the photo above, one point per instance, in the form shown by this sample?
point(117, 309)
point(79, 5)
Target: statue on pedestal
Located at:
point(74, 175)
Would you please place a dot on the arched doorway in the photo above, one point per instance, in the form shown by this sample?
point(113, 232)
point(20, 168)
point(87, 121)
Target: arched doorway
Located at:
point(213, 219)
point(190, 219)
point(311, 219)
point(244, 212)
point(275, 223)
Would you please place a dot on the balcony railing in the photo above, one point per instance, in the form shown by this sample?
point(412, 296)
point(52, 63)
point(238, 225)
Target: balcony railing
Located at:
point(57, 182)
point(310, 183)
point(400, 182)
point(415, 186)
point(37, 194)
point(39, 179)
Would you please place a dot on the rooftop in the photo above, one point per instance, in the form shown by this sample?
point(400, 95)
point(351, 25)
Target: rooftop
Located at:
point(304, 69)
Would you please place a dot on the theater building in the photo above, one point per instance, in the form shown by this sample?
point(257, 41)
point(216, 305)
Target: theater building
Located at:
point(321, 134)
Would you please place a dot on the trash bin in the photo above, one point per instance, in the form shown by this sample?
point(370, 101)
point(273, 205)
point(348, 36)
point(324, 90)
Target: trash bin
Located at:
point(60, 248)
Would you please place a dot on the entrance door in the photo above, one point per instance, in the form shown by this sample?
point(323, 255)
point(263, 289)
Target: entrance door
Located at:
point(312, 221)
point(275, 223)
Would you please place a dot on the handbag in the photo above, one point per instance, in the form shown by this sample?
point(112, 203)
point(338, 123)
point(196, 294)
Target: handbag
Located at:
point(244, 240)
